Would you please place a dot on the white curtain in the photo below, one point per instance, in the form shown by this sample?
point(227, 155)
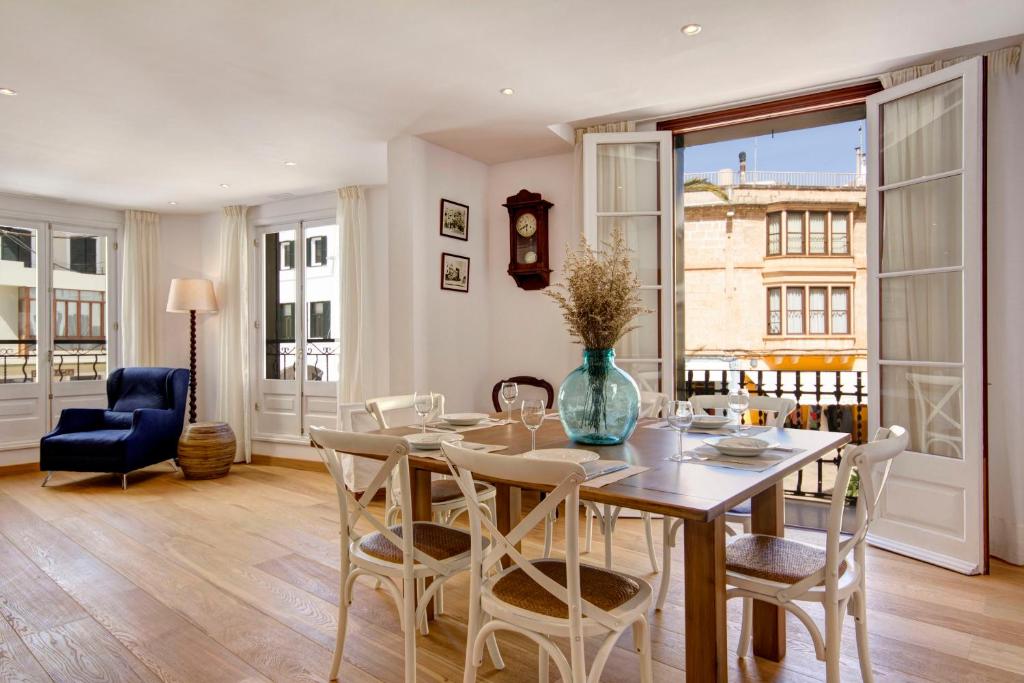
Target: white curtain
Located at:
point(139, 288)
point(999, 61)
point(355, 307)
point(577, 200)
point(233, 396)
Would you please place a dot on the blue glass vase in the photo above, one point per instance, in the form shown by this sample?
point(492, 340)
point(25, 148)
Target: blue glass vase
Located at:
point(598, 403)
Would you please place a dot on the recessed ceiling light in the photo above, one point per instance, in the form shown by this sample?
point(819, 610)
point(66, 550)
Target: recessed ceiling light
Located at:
point(691, 29)
point(8, 91)
point(225, 185)
point(173, 203)
point(289, 163)
point(507, 91)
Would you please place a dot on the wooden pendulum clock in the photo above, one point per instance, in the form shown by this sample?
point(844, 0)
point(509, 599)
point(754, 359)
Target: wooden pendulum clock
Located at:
point(528, 239)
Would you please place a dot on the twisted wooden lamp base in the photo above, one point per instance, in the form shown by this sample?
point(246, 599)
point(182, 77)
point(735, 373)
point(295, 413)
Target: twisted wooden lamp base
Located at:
point(192, 368)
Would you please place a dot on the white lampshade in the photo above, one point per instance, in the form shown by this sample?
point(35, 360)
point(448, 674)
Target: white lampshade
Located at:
point(191, 295)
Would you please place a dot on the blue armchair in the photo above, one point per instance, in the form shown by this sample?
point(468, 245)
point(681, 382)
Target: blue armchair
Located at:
point(141, 426)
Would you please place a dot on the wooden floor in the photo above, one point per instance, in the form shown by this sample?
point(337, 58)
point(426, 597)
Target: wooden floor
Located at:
point(235, 579)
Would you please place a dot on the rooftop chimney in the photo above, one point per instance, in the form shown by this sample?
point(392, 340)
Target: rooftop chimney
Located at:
point(860, 166)
point(743, 167)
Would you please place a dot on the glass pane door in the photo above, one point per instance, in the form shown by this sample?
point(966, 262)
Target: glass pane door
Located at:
point(627, 187)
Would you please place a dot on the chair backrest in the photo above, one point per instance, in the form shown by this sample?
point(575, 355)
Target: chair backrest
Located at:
point(380, 406)
point(872, 460)
point(652, 403)
point(564, 478)
point(160, 388)
point(332, 445)
point(780, 408)
point(523, 380)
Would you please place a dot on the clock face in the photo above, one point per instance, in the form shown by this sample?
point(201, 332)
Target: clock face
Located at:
point(526, 225)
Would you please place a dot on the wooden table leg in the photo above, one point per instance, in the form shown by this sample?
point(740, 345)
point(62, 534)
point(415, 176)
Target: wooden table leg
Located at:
point(508, 508)
point(422, 510)
point(768, 517)
point(704, 598)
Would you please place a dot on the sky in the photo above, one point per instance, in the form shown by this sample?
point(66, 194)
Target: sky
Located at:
point(825, 148)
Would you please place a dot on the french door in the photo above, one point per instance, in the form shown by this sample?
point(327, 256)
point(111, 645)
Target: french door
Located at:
point(926, 301)
point(297, 328)
point(627, 185)
point(58, 323)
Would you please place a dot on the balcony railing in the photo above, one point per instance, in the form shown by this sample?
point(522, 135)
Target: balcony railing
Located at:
point(837, 396)
point(73, 360)
point(729, 177)
point(320, 362)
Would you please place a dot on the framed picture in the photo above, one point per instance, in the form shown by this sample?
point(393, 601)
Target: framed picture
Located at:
point(454, 272)
point(454, 220)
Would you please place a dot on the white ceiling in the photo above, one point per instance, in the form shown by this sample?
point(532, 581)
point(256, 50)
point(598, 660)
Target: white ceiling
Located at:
point(135, 104)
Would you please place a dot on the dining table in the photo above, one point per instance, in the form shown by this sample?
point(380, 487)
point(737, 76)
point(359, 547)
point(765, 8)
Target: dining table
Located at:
point(696, 491)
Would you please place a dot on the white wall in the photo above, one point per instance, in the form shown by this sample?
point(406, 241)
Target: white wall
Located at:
point(528, 336)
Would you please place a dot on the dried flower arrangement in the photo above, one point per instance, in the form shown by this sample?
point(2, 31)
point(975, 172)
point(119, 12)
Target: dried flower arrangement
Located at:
point(600, 296)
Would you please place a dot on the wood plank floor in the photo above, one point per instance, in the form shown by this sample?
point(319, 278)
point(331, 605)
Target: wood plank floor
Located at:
point(235, 579)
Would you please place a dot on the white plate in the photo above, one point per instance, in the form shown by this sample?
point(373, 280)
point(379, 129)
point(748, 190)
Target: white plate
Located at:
point(431, 441)
point(464, 419)
point(744, 446)
point(710, 421)
point(576, 455)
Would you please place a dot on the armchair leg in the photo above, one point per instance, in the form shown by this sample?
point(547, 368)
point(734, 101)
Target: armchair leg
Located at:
point(124, 482)
point(47, 479)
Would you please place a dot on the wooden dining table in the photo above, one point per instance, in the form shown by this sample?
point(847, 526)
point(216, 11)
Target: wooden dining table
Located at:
point(699, 494)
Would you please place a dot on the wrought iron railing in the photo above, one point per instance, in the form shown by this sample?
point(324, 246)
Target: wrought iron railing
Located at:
point(779, 178)
point(72, 360)
point(838, 396)
point(319, 354)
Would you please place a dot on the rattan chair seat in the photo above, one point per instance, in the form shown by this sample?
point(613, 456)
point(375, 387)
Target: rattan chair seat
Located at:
point(600, 587)
point(774, 559)
point(440, 542)
point(447, 490)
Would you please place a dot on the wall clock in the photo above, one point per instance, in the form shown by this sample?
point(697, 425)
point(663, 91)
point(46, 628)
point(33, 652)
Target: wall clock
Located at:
point(528, 239)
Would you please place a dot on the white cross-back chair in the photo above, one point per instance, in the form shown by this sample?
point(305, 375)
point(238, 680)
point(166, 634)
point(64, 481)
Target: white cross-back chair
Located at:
point(400, 557)
point(783, 572)
point(447, 502)
point(545, 598)
point(776, 411)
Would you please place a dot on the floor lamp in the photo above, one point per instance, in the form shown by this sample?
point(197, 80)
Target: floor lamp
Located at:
point(191, 296)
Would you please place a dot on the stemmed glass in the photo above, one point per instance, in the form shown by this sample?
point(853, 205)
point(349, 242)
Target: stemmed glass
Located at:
point(424, 403)
point(739, 401)
point(509, 392)
point(679, 415)
point(532, 412)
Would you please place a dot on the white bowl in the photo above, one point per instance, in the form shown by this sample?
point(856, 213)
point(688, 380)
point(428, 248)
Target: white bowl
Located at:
point(464, 419)
point(743, 446)
point(710, 421)
point(431, 441)
point(576, 455)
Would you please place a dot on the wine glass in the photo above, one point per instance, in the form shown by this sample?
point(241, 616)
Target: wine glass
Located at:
point(532, 412)
point(509, 392)
point(423, 402)
point(739, 401)
point(679, 415)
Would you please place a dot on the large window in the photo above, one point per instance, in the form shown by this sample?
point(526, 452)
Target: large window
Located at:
point(794, 232)
point(840, 233)
point(285, 322)
point(840, 310)
point(78, 314)
point(775, 234)
point(816, 232)
point(287, 260)
point(827, 232)
point(817, 310)
point(16, 245)
point(775, 310)
point(320, 320)
point(316, 250)
point(82, 252)
point(794, 310)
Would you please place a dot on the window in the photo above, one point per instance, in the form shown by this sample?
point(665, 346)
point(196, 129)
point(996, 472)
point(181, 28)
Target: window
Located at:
point(288, 255)
point(82, 252)
point(16, 245)
point(794, 232)
point(794, 310)
point(817, 310)
point(775, 310)
point(286, 321)
point(840, 310)
point(320, 320)
point(77, 314)
point(816, 232)
point(774, 234)
point(316, 250)
point(840, 232)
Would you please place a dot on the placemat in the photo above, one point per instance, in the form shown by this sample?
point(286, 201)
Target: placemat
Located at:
point(459, 429)
point(614, 477)
point(749, 430)
point(480, 447)
point(706, 455)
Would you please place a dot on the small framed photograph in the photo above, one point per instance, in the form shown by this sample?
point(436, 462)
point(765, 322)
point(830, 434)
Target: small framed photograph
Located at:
point(455, 272)
point(454, 220)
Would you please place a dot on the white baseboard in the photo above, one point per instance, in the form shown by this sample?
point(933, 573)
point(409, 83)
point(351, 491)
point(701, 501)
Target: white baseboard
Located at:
point(938, 559)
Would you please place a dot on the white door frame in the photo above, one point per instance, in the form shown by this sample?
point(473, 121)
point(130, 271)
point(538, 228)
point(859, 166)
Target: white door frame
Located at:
point(917, 479)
